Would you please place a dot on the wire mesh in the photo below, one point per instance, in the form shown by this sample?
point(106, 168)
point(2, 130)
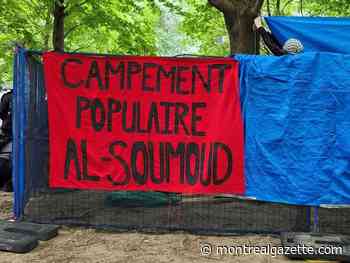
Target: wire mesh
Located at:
point(129, 210)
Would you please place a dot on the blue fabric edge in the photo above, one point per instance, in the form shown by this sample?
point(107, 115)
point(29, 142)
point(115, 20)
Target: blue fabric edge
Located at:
point(18, 129)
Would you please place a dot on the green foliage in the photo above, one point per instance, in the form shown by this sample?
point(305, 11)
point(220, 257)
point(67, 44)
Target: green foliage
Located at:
point(26, 22)
point(113, 26)
point(176, 7)
point(205, 27)
point(106, 26)
point(170, 40)
point(281, 7)
point(327, 7)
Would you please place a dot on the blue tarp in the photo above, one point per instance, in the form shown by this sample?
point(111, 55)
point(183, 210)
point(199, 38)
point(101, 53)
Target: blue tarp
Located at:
point(296, 111)
point(318, 34)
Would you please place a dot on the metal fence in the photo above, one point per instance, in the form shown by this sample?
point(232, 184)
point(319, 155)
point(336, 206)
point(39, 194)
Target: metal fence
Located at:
point(143, 211)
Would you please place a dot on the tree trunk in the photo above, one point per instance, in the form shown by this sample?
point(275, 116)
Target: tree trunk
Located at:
point(58, 26)
point(239, 19)
point(242, 37)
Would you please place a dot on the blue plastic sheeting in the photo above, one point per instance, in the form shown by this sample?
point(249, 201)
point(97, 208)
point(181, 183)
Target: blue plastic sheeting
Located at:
point(318, 34)
point(20, 101)
point(296, 111)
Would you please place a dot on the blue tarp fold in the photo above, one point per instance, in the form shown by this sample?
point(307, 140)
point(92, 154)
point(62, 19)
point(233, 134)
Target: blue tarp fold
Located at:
point(297, 127)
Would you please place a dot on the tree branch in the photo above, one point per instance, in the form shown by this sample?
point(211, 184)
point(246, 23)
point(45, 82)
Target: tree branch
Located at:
point(76, 6)
point(250, 7)
point(80, 4)
point(257, 6)
point(80, 48)
point(278, 7)
point(222, 5)
point(268, 7)
point(71, 30)
point(286, 4)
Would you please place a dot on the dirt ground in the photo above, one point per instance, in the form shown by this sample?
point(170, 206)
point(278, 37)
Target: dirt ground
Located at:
point(87, 245)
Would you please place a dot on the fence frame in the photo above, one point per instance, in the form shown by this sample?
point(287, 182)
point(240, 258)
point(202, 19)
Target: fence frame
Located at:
point(20, 102)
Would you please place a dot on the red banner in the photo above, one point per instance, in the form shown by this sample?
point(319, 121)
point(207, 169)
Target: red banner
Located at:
point(144, 123)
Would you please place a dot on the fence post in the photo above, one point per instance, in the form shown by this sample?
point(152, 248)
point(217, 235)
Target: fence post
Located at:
point(315, 223)
point(18, 130)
